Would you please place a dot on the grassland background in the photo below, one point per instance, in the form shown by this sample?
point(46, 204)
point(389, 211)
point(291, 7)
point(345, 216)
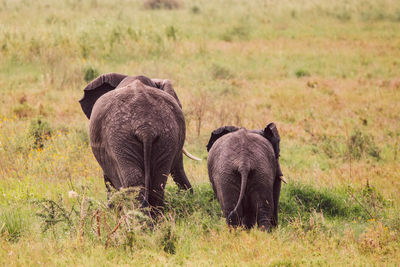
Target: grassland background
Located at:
point(326, 72)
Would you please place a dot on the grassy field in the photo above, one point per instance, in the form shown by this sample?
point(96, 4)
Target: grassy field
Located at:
point(327, 73)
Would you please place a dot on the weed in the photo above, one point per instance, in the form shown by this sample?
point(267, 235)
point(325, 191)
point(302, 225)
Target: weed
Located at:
point(361, 144)
point(90, 73)
point(171, 31)
point(39, 132)
point(302, 73)
point(331, 146)
point(53, 213)
point(23, 110)
point(195, 9)
point(168, 239)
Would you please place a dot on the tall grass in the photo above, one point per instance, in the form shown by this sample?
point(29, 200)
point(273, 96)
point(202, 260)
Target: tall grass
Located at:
point(326, 73)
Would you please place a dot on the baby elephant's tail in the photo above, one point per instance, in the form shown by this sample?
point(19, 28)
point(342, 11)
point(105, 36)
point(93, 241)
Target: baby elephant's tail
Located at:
point(232, 217)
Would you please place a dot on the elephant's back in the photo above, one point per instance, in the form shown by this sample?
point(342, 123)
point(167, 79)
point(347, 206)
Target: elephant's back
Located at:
point(138, 110)
point(122, 119)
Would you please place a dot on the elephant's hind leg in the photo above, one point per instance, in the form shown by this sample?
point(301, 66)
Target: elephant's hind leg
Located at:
point(179, 175)
point(264, 208)
point(156, 194)
point(249, 219)
point(228, 192)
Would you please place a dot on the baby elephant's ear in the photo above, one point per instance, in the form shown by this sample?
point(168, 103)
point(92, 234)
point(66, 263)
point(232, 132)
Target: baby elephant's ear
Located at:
point(271, 133)
point(97, 88)
point(218, 133)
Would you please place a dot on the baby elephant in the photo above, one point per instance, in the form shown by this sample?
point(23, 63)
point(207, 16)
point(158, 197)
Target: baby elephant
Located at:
point(245, 174)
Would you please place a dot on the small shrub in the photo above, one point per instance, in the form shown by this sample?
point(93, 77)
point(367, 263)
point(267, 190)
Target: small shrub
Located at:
point(171, 31)
point(162, 4)
point(370, 197)
point(23, 110)
point(39, 132)
point(361, 144)
point(195, 9)
point(330, 146)
point(301, 73)
point(226, 37)
point(168, 238)
point(90, 73)
point(53, 213)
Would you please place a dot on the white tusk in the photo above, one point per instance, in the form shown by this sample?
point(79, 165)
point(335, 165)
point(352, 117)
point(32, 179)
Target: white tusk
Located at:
point(190, 156)
point(283, 179)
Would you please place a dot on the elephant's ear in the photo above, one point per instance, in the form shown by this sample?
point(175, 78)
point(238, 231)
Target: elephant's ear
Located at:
point(97, 88)
point(271, 133)
point(166, 85)
point(218, 133)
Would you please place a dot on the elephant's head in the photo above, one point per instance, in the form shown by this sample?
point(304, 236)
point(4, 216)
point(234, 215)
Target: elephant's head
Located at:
point(270, 132)
point(110, 81)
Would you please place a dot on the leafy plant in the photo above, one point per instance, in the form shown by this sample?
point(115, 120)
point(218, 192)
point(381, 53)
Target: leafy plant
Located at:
point(39, 132)
point(90, 73)
point(53, 213)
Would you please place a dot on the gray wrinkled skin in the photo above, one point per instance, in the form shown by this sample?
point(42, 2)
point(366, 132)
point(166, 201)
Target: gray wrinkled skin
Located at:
point(245, 156)
point(137, 134)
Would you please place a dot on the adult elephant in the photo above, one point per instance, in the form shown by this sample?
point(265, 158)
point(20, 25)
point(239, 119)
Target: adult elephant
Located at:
point(137, 132)
point(245, 174)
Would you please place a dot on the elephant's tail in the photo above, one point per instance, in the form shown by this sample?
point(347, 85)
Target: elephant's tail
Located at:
point(147, 175)
point(244, 174)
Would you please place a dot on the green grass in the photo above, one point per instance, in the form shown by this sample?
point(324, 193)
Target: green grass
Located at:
point(326, 74)
point(14, 223)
